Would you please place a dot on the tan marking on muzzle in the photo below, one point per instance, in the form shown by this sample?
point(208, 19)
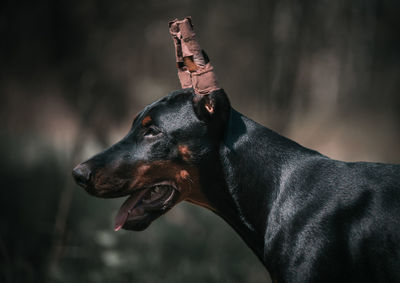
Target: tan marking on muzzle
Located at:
point(186, 179)
point(145, 175)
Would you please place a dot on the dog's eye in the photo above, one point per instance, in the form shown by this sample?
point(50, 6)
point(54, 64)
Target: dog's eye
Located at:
point(152, 131)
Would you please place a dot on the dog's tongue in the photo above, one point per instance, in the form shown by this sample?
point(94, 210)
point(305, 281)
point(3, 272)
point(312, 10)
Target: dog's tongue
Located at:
point(127, 206)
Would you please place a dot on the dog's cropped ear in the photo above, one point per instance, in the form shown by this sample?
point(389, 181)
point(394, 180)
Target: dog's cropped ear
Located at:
point(213, 108)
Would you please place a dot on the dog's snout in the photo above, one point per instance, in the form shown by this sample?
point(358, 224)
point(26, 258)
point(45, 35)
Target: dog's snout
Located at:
point(82, 174)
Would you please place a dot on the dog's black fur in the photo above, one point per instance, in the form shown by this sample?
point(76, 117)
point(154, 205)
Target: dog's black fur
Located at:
point(307, 217)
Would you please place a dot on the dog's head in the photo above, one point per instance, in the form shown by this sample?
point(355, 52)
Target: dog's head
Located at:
point(157, 163)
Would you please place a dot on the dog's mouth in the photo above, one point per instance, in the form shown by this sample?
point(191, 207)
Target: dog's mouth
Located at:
point(144, 205)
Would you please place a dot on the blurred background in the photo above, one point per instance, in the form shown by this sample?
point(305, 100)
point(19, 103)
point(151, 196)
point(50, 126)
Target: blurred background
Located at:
point(73, 74)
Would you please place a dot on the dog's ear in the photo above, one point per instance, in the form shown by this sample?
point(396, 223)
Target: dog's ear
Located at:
point(213, 108)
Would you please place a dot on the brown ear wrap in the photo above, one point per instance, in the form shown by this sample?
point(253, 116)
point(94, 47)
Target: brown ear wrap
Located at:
point(175, 34)
point(204, 80)
point(188, 61)
point(194, 68)
point(185, 78)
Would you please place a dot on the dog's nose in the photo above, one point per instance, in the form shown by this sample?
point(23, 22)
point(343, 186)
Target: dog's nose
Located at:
point(82, 174)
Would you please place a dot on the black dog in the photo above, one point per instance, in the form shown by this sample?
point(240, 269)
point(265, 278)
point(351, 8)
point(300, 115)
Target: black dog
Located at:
point(307, 217)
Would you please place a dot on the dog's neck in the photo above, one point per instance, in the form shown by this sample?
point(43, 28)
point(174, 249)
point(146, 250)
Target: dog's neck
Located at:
point(252, 160)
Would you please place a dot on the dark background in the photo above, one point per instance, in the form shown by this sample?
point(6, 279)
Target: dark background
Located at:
point(74, 73)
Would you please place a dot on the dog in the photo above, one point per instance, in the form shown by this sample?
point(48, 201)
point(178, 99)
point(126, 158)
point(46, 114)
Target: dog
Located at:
point(307, 217)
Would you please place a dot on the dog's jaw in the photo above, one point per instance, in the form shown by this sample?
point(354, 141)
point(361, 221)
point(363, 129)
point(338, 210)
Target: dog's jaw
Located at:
point(145, 205)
